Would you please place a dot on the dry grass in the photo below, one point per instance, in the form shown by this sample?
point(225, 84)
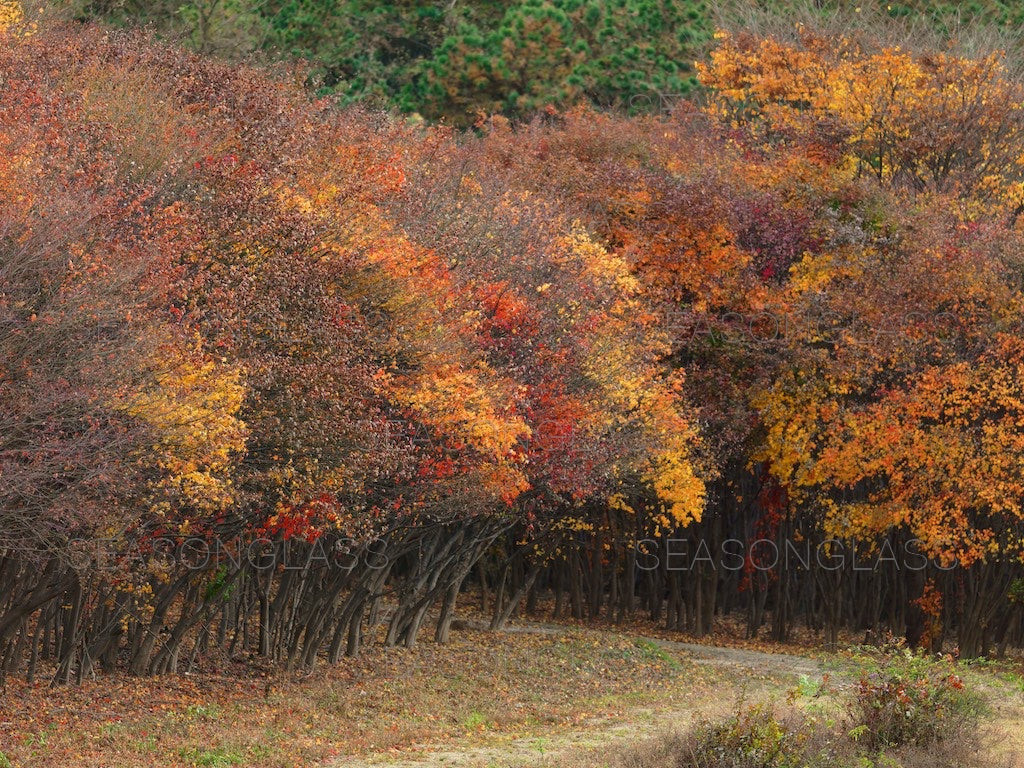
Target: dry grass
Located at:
point(480, 686)
point(581, 699)
point(823, 727)
point(673, 749)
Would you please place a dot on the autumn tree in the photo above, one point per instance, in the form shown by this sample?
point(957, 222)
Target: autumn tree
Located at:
point(909, 310)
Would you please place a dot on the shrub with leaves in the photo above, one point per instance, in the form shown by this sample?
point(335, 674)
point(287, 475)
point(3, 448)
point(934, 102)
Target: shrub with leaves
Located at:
point(754, 737)
point(912, 698)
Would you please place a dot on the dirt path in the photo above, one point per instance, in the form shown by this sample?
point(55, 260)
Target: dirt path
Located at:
point(568, 747)
point(714, 655)
point(780, 664)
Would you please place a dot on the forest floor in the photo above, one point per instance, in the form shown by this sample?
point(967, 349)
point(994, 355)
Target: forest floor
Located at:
point(537, 694)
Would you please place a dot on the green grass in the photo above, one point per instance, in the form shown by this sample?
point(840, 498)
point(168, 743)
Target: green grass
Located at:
point(212, 758)
point(203, 712)
point(474, 721)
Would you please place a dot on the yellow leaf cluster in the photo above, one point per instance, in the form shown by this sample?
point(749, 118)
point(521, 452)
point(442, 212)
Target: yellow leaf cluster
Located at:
point(191, 406)
point(11, 17)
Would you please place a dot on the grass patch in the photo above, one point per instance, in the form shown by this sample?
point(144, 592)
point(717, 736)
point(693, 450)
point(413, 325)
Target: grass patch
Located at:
point(646, 651)
point(507, 687)
point(476, 721)
point(203, 712)
point(211, 758)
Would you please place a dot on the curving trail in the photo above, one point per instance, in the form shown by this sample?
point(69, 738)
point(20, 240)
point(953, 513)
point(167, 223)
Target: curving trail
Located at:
point(570, 748)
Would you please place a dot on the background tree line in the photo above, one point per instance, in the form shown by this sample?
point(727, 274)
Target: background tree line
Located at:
point(455, 59)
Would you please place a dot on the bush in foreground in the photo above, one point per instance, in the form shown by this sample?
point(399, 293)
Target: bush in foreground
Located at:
point(906, 710)
point(913, 699)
